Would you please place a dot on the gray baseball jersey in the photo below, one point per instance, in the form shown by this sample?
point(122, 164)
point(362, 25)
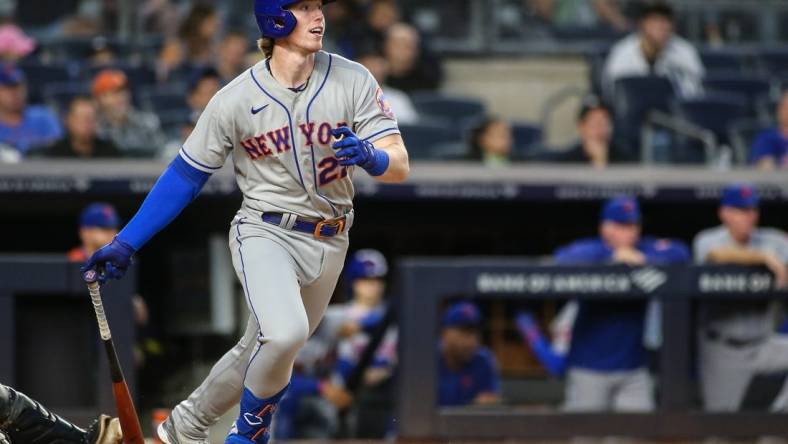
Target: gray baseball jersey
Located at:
point(281, 141)
point(740, 320)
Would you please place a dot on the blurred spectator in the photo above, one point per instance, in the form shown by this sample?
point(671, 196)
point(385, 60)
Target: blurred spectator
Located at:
point(492, 142)
point(101, 53)
point(159, 17)
point(770, 149)
point(128, 128)
point(595, 128)
point(98, 225)
point(232, 55)
point(205, 83)
point(591, 15)
point(737, 339)
point(14, 43)
point(347, 23)
point(655, 49)
point(195, 40)
point(606, 363)
point(381, 16)
point(81, 139)
point(21, 126)
point(467, 371)
point(400, 102)
point(410, 68)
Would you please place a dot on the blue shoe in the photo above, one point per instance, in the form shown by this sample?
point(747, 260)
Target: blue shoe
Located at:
point(254, 421)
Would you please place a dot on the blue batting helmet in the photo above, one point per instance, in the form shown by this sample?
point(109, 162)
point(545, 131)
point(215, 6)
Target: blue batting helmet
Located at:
point(273, 18)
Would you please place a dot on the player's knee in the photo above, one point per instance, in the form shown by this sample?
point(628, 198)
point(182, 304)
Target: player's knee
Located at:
point(287, 342)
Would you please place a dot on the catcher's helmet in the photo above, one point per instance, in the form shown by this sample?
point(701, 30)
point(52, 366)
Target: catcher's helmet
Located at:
point(274, 20)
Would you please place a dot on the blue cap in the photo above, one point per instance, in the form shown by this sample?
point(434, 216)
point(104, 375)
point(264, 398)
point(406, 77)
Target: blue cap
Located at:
point(740, 195)
point(11, 75)
point(623, 210)
point(99, 214)
point(367, 263)
point(462, 314)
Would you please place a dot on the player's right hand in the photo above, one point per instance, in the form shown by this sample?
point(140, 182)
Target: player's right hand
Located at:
point(110, 261)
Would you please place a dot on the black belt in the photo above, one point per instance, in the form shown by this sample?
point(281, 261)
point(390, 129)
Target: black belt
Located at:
point(319, 228)
point(715, 336)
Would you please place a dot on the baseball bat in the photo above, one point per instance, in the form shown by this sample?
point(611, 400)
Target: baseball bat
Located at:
point(127, 414)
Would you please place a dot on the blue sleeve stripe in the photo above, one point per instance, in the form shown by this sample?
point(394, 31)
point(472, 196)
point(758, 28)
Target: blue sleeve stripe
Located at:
point(183, 150)
point(393, 129)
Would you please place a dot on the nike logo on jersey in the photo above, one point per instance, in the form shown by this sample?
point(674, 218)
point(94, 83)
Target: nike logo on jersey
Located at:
point(257, 110)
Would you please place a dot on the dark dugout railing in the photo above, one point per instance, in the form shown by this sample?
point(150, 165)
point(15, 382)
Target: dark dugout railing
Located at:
point(423, 284)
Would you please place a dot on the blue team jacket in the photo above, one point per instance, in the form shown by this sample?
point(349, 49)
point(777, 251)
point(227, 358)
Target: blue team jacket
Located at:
point(608, 335)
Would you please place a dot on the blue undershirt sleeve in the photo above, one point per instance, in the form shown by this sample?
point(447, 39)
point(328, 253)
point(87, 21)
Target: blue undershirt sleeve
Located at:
point(176, 188)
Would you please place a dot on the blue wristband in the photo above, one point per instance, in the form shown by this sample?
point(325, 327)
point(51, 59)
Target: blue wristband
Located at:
point(379, 163)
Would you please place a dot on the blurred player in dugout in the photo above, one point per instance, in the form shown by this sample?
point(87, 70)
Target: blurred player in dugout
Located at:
point(467, 371)
point(607, 360)
point(98, 225)
point(737, 339)
point(319, 388)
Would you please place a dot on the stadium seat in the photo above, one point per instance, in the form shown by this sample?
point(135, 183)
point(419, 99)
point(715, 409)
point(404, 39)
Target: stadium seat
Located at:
point(716, 60)
point(774, 61)
point(173, 120)
point(634, 98)
point(60, 95)
point(755, 88)
point(80, 48)
point(742, 136)
point(596, 64)
point(432, 141)
point(163, 99)
point(38, 75)
point(527, 138)
point(715, 112)
point(457, 111)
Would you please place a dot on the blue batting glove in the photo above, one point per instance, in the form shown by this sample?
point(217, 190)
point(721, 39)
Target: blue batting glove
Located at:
point(353, 151)
point(110, 261)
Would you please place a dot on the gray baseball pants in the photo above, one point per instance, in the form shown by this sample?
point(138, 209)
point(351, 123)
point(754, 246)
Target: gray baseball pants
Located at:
point(621, 391)
point(726, 371)
point(288, 279)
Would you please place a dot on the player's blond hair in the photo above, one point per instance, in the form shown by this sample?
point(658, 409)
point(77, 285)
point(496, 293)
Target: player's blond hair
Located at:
point(266, 45)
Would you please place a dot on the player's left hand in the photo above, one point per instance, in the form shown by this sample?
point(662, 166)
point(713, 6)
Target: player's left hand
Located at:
point(350, 150)
point(110, 261)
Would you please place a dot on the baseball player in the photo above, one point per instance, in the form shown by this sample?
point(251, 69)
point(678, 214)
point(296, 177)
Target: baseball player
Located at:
point(298, 125)
point(737, 339)
point(606, 363)
point(98, 224)
point(467, 371)
point(23, 421)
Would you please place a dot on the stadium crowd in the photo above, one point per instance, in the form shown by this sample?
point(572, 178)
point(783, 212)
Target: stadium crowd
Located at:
point(68, 89)
point(146, 96)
